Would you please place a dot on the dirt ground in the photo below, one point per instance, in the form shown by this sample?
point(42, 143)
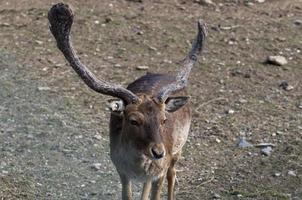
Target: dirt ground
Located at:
point(54, 141)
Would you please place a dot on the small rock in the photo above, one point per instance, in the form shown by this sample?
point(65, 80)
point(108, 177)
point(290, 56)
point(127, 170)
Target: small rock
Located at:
point(5, 24)
point(281, 39)
point(152, 48)
point(277, 174)
point(242, 101)
point(216, 196)
point(230, 111)
point(205, 2)
point(266, 150)
point(96, 166)
point(277, 60)
point(96, 22)
point(108, 20)
point(117, 65)
point(98, 137)
point(263, 145)
point(249, 3)
point(286, 86)
point(298, 22)
point(242, 143)
point(43, 88)
point(140, 33)
point(143, 67)
point(291, 173)
point(260, 1)
point(39, 42)
point(217, 140)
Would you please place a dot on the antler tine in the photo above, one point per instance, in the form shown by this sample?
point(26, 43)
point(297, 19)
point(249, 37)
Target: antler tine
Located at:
point(189, 61)
point(60, 17)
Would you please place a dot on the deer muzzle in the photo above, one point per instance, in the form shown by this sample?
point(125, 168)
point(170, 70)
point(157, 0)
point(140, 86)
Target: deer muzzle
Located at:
point(157, 151)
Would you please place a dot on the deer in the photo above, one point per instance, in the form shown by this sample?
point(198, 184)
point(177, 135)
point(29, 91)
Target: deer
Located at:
point(150, 118)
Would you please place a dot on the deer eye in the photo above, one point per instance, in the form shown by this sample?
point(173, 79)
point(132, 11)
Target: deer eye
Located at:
point(133, 122)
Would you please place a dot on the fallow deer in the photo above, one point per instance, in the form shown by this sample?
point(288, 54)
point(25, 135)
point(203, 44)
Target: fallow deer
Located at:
point(150, 119)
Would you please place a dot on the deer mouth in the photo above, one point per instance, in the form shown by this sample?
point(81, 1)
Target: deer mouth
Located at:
point(153, 167)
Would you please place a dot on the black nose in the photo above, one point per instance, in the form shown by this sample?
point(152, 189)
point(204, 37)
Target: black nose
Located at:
point(157, 154)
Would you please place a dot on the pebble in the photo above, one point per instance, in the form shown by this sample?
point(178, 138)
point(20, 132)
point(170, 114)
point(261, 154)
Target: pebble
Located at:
point(277, 174)
point(266, 150)
point(242, 143)
point(262, 145)
point(98, 137)
point(277, 60)
point(216, 196)
point(291, 173)
point(286, 86)
point(5, 24)
point(205, 2)
point(43, 88)
point(298, 22)
point(96, 166)
point(249, 3)
point(217, 140)
point(142, 67)
point(242, 101)
point(260, 1)
point(230, 111)
point(38, 42)
point(117, 65)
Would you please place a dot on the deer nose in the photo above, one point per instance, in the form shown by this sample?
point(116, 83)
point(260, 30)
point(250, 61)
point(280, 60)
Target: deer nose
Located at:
point(157, 151)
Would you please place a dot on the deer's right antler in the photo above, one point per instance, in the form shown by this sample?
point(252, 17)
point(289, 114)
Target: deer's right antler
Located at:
point(60, 17)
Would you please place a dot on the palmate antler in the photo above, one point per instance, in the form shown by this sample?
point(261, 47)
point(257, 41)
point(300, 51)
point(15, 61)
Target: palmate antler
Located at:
point(60, 17)
point(189, 61)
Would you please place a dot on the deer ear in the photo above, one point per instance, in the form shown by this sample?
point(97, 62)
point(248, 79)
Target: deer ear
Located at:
point(174, 103)
point(116, 105)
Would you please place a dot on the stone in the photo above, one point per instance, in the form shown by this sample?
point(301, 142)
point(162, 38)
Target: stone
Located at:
point(143, 67)
point(117, 65)
point(277, 60)
point(96, 166)
point(205, 2)
point(298, 22)
point(263, 145)
point(216, 196)
point(266, 150)
point(242, 143)
point(230, 111)
point(286, 86)
point(291, 173)
point(43, 88)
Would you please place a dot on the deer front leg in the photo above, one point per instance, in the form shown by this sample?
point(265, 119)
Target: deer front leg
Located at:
point(146, 190)
point(126, 188)
point(156, 188)
point(171, 175)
